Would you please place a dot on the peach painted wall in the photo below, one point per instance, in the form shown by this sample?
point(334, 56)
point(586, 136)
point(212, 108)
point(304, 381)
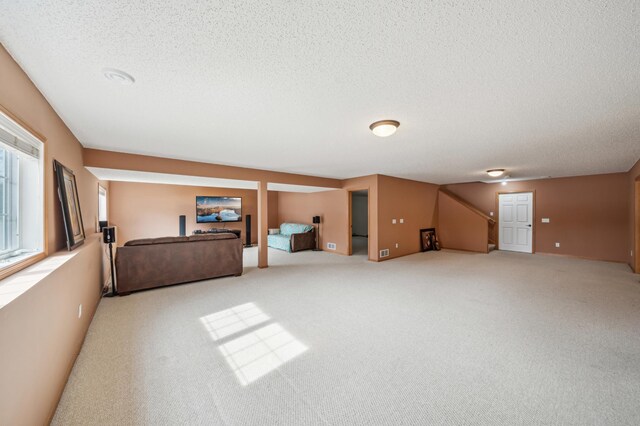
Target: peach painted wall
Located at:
point(331, 206)
point(40, 332)
point(459, 227)
point(389, 197)
point(413, 201)
point(589, 214)
point(123, 161)
point(129, 201)
point(634, 216)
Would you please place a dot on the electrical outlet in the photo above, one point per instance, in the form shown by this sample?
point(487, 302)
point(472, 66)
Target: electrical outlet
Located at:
point(397, 245)
point(401, 220)
point(384, 253)
point(331, 246)
point(490, 213)
point(557, 244)
point(393, 221)
point(80, 310)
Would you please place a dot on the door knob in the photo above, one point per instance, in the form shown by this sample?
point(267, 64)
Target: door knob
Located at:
point(529, 225)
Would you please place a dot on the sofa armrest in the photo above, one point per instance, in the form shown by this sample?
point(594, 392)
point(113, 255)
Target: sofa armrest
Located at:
point(303, 241)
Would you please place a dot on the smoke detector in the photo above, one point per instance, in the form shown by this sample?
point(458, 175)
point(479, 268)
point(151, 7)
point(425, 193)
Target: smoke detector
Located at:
point(118, 76)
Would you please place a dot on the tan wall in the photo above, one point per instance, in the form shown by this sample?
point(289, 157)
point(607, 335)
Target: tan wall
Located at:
point(389, 198)
point(589, 214)
point(331, 206)
point(123, 161)
point(459, 227)
point(634, 216)
point(40, 334)
point(130, 209)
point(415, 202)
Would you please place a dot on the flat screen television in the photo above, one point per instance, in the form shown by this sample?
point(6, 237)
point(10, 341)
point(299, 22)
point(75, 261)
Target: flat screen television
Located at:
point(218, 209)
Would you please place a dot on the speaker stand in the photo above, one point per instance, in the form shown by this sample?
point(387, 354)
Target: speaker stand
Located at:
point(114, 289)
point(317, 248)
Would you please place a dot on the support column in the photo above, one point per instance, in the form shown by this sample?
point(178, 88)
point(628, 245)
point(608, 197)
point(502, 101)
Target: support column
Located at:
point(263, 225)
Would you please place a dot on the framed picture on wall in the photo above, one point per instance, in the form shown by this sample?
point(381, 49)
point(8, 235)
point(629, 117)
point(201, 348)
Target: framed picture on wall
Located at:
point(428, 240)
point(70, 204)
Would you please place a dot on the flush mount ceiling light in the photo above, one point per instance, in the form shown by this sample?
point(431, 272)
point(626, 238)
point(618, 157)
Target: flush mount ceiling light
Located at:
point(495, 172)
point(118, 76)
point(384, 128)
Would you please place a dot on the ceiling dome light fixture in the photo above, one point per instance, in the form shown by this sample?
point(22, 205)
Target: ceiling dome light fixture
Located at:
point(118, 76)
point(495, 172)
point(384, 128)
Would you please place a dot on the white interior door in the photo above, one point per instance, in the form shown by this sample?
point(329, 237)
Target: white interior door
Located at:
point(516, 222)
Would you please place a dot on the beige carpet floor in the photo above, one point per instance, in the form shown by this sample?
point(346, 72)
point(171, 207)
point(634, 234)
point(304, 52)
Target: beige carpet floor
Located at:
point(318, 338)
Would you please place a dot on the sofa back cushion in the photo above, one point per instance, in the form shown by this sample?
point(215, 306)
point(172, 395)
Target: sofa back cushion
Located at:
point(170, 240)
point(161, 240)
point(294, 228)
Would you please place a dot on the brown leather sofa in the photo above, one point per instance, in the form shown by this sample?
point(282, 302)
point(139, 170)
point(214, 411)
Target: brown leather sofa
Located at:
point(158, 262)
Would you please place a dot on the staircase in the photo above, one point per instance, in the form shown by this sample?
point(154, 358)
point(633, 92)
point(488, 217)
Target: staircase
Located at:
point(463, 226)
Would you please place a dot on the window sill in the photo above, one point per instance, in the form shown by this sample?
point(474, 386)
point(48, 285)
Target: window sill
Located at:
point(20, 282)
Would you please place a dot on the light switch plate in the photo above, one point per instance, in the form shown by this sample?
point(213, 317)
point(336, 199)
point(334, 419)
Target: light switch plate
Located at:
point(401, 220)
point(557, 244)
point(490, 213)
point(545, 220)
point(393, 221)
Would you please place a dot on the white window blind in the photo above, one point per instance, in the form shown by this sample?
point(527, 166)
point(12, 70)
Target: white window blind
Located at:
point(18, 144)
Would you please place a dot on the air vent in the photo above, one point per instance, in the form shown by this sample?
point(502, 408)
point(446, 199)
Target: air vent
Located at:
point(331, 246)
point(384, 253)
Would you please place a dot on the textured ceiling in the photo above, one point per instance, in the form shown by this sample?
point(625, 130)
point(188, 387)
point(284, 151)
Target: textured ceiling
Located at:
point(539, 88)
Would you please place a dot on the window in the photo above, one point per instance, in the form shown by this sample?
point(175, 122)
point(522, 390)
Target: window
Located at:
point(102, 204)
point(9, 177)
point(21, 194)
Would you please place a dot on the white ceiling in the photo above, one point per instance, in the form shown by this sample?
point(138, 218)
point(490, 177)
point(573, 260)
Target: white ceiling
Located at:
point(542, 89)
point(170, 179)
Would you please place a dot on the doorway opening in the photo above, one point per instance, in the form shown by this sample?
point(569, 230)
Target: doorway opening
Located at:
point(515, 221)
point(359, 223)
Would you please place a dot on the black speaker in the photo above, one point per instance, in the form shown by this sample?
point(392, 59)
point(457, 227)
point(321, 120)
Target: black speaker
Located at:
point(247, 231)
point(316, 220)
point(102, 224)
point(109, 235)
point(183, 226)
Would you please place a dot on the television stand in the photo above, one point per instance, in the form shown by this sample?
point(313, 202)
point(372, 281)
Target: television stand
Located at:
point(237, 232)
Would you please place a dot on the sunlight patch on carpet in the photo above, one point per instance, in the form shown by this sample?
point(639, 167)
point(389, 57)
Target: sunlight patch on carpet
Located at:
point(257, 353)
point(233, 320)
